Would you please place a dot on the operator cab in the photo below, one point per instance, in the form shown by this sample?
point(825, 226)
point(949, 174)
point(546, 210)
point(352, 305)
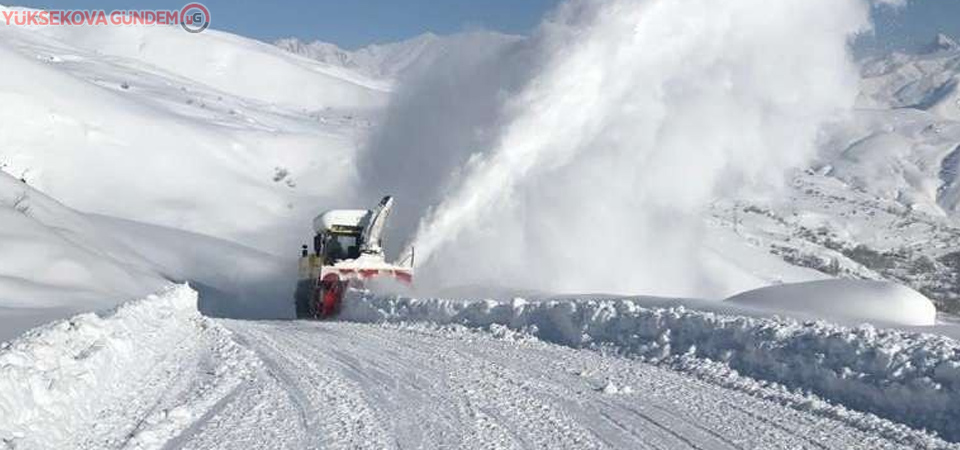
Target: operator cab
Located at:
point(338, 234)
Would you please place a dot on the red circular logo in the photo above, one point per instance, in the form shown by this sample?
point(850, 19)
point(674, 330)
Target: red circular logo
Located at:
point(195, 17)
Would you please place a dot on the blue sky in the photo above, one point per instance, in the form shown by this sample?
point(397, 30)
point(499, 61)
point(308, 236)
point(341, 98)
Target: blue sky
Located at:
point(912, 26)
point(348, 23)
point(354, 23)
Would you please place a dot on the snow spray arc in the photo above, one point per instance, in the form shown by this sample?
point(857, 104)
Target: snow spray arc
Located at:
point(574, 167)
point(193, 17)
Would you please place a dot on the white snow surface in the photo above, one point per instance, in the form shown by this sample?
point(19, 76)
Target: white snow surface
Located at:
point(56, 262)
point(223, 135)
point(68, 384)
point(909, 377)
point(154, 373)
point(864, 300)
point(212, 133)
point(227, 62)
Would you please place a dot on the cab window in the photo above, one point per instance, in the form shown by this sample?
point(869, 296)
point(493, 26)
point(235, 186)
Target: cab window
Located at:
point(338, 247)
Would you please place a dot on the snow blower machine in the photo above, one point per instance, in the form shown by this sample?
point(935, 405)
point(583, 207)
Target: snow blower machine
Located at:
point(347, 251)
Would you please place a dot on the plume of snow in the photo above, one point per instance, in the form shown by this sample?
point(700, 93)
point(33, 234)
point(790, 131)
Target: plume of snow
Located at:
point(581, 158)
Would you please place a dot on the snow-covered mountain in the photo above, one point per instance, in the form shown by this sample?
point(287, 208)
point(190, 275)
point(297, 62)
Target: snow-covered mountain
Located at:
point(247, 141)
point(904, 141)
point(882, 200)
point(390, 61)
point(212, 133)
point(155, 135)
point(382, 61)
point(924, 80)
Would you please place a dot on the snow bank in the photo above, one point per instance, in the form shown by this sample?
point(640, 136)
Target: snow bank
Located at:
point(234, 281)
point(855, 299)
point(911, 378)
point(56, 262)
point(57, 381)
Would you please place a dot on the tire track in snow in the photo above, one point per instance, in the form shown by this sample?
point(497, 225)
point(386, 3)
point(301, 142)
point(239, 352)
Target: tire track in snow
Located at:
point(402, 403)
point(426, 387)
point(165, 389)
point(290, 388)
point(498, 391)
point(706, 430)
point(333, 408)
point(176, 441)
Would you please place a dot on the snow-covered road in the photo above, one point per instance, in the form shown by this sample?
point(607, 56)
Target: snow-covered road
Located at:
point(156, 374)
point(345, 385)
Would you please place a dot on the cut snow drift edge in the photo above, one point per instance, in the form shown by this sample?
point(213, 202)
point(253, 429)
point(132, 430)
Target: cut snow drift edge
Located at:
point(911, 378)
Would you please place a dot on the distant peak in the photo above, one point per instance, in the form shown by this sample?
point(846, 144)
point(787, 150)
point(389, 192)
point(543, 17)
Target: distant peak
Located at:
point(941, 43)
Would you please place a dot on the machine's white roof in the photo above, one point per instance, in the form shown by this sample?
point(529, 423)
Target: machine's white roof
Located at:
point(343, 217)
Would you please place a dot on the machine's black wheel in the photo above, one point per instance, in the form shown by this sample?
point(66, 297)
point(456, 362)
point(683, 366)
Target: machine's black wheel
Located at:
point(304, 299)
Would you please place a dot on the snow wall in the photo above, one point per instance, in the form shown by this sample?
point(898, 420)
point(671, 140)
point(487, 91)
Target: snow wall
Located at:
point(911, 378)
point(54, 380)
